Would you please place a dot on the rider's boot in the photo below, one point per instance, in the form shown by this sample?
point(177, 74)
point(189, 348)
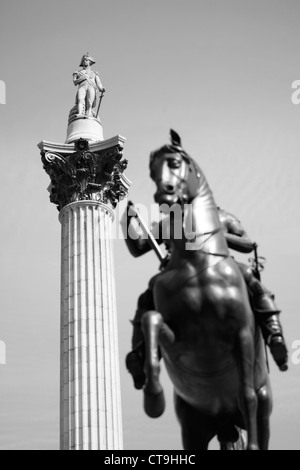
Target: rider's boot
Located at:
point(273, 335)
point(267, 316)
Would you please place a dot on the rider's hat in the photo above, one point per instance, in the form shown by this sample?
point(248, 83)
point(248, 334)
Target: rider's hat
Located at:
point(87, 56)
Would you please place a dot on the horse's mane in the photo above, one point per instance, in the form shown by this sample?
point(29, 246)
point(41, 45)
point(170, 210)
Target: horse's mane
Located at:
point(175, 147)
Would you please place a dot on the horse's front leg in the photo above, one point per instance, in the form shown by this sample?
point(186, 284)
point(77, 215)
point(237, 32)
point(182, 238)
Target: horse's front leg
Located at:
point(153, 328)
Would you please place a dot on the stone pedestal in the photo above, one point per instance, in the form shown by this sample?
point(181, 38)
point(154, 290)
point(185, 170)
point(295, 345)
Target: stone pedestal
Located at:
point(87, 128)
point(81, 126)
point(87, 181)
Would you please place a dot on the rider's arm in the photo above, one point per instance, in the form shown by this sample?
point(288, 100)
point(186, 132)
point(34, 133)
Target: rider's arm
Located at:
point(135, 240)
point(137, 247)
point(241, 244)
point(236, 237)
point(98, 83)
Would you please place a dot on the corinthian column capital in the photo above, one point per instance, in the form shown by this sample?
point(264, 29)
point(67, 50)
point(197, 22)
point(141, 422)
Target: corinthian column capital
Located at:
point(84, 171)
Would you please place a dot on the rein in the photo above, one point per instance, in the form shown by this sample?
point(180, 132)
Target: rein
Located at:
point(210, 234)
point(182, 187)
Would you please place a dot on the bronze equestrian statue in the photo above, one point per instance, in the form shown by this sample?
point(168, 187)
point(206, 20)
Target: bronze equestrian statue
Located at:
point(197, 315)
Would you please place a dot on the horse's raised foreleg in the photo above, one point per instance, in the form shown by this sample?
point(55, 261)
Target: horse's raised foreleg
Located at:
point(246, 343)
point(153, 326)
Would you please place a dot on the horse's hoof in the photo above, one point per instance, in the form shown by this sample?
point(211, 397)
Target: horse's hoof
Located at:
point(252, 447)
point(154, 404)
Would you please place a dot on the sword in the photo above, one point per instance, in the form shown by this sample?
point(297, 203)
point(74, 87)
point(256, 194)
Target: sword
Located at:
point(101, 96)
point(150, 237)
point(257, 262)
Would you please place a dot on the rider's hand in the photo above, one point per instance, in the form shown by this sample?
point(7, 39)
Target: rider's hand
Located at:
point(131, 210)
point(129, 213)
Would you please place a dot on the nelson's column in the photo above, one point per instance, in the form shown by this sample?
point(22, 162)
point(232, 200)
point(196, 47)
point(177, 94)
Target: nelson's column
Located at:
point(87, 182)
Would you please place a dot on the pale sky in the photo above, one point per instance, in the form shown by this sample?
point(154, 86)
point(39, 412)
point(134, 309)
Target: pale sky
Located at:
point(220, 73)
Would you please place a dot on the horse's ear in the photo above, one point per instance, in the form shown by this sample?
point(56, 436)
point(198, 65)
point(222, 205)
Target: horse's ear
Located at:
point(175, 139)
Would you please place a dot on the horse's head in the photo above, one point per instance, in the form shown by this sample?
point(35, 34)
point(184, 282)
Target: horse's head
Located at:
point(175, 173)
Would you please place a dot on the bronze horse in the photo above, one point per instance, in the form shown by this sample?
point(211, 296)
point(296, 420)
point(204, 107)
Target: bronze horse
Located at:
point(203, 325)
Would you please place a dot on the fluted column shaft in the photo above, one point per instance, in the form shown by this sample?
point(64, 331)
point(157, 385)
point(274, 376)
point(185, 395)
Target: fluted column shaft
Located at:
point(90, 384)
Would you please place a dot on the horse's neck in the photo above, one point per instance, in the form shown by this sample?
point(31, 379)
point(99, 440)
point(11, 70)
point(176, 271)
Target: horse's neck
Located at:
point(202, 210)
point(202, 227)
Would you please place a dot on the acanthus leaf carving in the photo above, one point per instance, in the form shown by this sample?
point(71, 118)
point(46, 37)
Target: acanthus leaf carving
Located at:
point(86, 175)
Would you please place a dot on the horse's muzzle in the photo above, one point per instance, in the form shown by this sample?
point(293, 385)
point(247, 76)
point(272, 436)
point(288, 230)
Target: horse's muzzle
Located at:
point(166, 198)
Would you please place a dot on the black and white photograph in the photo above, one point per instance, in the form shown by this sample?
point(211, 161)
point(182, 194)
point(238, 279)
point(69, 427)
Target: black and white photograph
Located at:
point(149, 242)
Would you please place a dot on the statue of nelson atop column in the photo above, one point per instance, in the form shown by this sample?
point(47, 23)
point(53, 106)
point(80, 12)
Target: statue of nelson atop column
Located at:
point(88, 83)
point(84, 118)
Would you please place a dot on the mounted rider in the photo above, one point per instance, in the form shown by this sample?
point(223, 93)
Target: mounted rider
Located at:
point(261, 299)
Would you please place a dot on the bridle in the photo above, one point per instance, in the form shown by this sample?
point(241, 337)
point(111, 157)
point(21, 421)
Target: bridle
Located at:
point(182, 194)
point(183, 181)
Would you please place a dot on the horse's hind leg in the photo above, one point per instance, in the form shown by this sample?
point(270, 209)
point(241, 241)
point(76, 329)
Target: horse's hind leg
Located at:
point(263, 416)
point(246, 343)
point(154, 400)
